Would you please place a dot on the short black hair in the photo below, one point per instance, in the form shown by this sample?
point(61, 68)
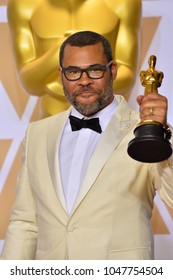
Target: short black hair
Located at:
point(86, 38)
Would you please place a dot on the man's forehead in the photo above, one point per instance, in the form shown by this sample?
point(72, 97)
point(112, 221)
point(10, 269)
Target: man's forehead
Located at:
point(97, 46)
point(85, 54)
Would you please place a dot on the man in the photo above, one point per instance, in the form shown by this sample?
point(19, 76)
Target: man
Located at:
point(39, 27)
point(79, 194)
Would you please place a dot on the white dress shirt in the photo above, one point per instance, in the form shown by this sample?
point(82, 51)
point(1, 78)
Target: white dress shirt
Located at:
point(76, 149)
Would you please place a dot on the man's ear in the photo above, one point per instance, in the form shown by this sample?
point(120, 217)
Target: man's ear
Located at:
point(114, 70)
point(60, 73)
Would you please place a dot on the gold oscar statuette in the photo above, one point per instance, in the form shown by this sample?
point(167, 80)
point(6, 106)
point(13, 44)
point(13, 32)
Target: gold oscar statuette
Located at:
point(151, 142)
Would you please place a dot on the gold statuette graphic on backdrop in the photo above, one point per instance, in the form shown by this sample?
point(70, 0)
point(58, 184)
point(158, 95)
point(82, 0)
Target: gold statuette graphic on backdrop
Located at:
point(151, 142)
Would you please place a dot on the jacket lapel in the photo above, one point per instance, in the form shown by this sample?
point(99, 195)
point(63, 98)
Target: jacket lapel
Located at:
point(53, 140)
point(118, 127)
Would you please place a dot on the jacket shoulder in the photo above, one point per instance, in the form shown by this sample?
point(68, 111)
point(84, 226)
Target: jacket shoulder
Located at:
point(40, 127)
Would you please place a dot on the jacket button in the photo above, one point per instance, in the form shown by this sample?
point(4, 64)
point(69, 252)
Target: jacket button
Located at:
point(71, 229)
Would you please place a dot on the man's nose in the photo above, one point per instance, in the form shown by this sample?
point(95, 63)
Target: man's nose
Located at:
point(85, 79)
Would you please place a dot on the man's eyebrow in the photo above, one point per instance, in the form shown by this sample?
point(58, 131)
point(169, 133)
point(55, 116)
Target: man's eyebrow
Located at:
point(96, 64)
point(91, 65)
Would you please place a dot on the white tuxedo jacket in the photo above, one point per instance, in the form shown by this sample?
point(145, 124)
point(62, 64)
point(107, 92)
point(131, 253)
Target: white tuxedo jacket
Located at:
point(111, 215)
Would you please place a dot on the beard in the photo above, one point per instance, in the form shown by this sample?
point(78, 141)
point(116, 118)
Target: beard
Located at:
point(105, 97)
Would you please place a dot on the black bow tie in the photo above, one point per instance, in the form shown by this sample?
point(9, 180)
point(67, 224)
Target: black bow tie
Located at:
point(77, 124)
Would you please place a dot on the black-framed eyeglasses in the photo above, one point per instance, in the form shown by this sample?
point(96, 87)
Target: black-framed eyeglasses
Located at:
point(95, 71)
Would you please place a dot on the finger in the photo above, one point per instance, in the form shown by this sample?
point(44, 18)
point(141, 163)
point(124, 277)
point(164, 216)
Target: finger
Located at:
point(159, 102)
point(154, 113)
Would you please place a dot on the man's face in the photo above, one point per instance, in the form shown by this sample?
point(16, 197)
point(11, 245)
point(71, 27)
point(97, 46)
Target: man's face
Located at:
point(88, 95)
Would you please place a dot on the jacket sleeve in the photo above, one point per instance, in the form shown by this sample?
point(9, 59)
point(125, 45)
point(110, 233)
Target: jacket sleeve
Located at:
point(20, 240)
point(162, 176)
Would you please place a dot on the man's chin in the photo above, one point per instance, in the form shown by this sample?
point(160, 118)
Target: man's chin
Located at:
point(87, 109)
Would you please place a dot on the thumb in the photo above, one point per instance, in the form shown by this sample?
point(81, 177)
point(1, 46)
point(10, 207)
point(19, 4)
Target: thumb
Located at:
point(139, 99)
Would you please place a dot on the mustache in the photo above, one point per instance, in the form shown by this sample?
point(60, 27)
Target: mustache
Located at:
point(84, 89)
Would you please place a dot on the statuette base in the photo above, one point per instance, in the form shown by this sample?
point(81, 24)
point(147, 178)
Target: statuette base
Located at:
point(150, 143)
